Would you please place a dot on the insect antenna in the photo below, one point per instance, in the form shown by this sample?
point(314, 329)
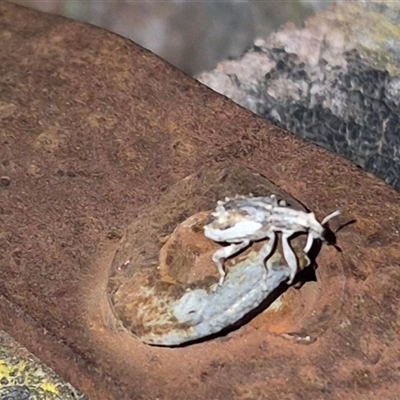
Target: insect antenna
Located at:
point(330, 237)
point(330, 216)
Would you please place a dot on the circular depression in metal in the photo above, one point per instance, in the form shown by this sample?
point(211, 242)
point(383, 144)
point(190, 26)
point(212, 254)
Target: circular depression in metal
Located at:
point(162, 280)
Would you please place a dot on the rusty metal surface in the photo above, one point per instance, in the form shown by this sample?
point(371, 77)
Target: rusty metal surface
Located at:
point(93, 130)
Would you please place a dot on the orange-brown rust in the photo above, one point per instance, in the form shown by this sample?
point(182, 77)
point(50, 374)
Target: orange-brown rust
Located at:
point(188, 247)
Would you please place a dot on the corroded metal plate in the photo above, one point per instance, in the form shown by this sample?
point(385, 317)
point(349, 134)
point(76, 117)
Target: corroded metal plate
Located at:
point(94, 130)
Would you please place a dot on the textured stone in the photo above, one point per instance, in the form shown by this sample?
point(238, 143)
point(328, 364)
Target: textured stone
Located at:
point(24, 377)
point(335, 82)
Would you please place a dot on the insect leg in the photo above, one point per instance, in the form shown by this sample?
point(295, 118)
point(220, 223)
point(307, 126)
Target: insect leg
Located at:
point(290, 256)
point(266, 251)
point(225, 252)
point(307, 248)
point(310, 241)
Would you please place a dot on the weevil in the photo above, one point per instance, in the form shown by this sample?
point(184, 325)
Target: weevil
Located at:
point(243, 220)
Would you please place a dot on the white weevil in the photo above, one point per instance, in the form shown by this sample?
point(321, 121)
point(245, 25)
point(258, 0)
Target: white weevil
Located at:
point(243, 220)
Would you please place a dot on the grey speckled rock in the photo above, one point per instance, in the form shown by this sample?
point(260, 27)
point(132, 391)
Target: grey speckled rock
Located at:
point(335, 82)
point(24, 377)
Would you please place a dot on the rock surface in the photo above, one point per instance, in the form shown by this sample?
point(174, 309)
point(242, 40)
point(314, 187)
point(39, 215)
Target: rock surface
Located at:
point(336, 82)
point(24, 377)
